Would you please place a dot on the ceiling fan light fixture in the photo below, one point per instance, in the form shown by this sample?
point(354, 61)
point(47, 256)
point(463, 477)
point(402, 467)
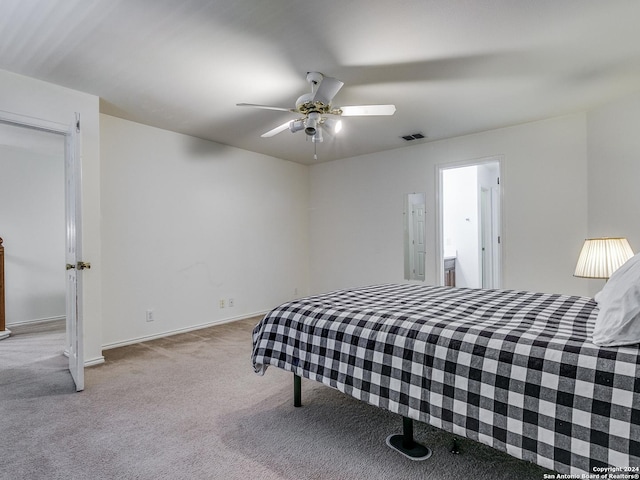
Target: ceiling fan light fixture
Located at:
point(311, 123)
point(296, 126)
point(317, 137)
point(332, 125)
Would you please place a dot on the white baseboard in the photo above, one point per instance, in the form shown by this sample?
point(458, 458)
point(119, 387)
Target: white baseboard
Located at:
point(35, 321)
point(168, 333)
point(94, 361)
point(87, 363)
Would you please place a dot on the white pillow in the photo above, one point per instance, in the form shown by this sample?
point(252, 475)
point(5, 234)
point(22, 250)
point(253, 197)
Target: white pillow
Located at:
point(618, 321)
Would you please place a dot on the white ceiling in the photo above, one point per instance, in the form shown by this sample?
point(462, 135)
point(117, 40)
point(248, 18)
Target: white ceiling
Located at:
point(451, 67)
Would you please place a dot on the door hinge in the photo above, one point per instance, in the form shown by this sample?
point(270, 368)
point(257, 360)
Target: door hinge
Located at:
point(78, 266)
point(498, 238)
point(498, 180)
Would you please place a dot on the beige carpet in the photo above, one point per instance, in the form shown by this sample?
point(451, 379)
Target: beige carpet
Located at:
point(190, 407)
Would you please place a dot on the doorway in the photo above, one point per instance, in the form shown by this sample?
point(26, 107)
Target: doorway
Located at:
point(39, 219)
point(470, 239)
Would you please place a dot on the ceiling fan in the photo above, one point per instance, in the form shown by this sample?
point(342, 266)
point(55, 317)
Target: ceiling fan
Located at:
point(317, 113)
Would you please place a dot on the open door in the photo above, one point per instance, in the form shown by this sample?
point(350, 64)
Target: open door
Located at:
point(73, 253)
point(71, 135)
point(490, 236)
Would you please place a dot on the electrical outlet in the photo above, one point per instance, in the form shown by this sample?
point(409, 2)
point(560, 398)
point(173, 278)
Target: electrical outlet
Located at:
point(231, 302)
point(150, 316)
point(222, 303)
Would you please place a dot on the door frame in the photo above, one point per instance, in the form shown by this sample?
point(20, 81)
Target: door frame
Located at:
point(71, 137)
point(439, 254)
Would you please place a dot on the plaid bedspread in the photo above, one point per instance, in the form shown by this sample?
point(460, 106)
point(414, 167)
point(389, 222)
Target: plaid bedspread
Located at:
point(511, 369)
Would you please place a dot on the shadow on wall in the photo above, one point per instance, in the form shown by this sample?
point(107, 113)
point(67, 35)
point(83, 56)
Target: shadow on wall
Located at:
point(196, 147)
point(204, 149)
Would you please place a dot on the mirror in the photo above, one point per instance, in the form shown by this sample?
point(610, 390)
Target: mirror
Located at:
point(414, 236)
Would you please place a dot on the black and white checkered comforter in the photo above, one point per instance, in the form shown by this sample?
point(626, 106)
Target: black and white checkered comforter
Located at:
point(512, 369)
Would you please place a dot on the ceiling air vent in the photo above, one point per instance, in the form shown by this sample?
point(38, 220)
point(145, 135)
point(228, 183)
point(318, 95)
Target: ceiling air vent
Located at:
point(414, 136)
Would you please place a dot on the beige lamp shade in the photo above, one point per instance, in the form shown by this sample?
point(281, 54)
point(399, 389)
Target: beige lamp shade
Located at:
point(600, 257)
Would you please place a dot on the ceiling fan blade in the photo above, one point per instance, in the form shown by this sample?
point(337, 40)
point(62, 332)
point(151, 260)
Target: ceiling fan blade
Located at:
point(276, 130)
point(265, 107)
point(327, 89)
point(366, 110)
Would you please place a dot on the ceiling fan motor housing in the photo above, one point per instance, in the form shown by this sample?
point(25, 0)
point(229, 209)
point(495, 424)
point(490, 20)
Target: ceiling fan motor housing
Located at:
point(314, 78)
point(305, 104)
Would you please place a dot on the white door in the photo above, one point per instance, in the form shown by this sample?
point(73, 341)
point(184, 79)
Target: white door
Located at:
point(490, 237)
point(486, 231)
point(496, 240)
point(74, 347)
point(73, 255)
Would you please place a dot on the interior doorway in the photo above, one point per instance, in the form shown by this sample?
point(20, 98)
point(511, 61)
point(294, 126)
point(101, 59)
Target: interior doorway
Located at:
point(470, 239)
point(40, 220)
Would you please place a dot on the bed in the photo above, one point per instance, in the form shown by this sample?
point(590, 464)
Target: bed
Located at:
point(514, 370)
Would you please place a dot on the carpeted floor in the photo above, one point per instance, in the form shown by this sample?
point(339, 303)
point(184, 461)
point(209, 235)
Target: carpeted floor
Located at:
point(190, 407)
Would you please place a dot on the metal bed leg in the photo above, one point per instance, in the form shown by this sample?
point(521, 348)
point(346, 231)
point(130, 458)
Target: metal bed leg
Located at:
point(297, 391)
point(455, 446)
point(406, 445)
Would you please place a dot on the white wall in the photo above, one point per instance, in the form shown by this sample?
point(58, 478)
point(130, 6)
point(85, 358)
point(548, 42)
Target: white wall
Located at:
point(32, 225)
point(187, 222)
point(614, 172)
point(27, 97)
point(356, 206)
point(220, 222)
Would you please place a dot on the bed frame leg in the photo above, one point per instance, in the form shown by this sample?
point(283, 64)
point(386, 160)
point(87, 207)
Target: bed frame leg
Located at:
point(406, 445)
point(455, 446)
point(297, 391)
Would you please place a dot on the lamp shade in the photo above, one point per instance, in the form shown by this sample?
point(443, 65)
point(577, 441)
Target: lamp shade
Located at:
point(600, 257)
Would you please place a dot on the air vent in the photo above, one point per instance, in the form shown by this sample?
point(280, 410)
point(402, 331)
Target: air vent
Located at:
point(413, 136)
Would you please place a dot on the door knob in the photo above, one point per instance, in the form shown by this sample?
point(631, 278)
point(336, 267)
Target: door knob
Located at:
point(70, 266)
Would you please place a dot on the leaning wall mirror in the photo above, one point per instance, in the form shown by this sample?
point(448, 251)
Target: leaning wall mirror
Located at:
point(414, 236)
